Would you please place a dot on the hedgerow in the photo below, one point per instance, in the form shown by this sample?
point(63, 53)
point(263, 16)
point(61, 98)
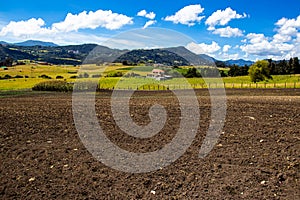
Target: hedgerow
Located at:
point(58, 86)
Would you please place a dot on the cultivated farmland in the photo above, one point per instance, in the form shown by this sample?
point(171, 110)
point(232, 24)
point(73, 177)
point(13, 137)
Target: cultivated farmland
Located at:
point(256, 157)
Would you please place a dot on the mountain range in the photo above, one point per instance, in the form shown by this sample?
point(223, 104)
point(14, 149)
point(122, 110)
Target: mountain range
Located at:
point(92, 53)
point(29, 43)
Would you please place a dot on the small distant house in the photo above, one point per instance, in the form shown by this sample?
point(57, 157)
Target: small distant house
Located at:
point(158, 74)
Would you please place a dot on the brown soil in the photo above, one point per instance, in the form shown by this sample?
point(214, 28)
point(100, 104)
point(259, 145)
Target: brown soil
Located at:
point(257, 156)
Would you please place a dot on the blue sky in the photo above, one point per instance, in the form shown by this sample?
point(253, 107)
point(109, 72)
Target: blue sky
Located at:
point(225, 29)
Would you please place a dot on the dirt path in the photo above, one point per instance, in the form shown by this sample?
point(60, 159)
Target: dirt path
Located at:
point(257, 156)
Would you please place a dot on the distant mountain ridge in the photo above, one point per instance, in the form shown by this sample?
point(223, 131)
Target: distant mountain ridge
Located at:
point(30, 43)
point(239, 62)
point(60, 55)
point(3, 43)
point(77, 54)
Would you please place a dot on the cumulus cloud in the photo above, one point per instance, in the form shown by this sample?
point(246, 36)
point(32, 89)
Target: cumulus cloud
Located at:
point(256, 38)
point(188, 15)
point(24, 28)
point(283, 44)
point(260, 45)
point(226, 48)
point(226, 56)
point(222, 17)
point(286, 29)
point(203, 48)
point(149, 23)
point(101, 18)
point(228, 32)
point(91, 20)
point(143, 13)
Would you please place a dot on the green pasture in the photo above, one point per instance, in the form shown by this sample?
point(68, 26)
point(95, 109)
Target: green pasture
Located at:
point(183, 83)
point(33, 75)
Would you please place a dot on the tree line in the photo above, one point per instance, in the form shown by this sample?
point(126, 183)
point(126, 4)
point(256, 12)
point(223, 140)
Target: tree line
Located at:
point(282, 67)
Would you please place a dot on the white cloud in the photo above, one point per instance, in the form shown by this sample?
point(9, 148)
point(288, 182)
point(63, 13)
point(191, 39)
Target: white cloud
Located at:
point(286, 29)
point(283, 45)
point(188, 15)
point(36, 28)
point(101, 18)
point(222, 17)
point(228, 32)
point(149, 23)
point(298, 38)
point(260, 45)
point(24, 28)
point(288, 26)
point(226, 48)
point(256, 38)
point(281, 38)
point(143, 13)
point(203, 48)
point(226, 56)
point(84, 20)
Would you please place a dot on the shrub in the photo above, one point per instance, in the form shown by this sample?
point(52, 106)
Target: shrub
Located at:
point(19, 76)
point(7, 76)
point(85, 75)
point(58, 86)
point(45, 76)
point(132, 74)
point(73, 76)
point(72, 72)
point(26, 76)
point(96, 76)
point(115, 74)
point(59, 77)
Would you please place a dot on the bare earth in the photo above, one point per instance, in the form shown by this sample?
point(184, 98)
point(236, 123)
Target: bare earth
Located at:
point(257, 156)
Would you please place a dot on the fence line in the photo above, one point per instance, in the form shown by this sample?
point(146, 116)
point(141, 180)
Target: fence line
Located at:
point(242, 85)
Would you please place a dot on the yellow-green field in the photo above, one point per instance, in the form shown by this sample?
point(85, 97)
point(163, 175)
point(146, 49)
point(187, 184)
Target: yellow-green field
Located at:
point(33, 73)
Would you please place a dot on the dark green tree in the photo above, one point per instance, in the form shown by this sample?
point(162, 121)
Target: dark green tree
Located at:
point(192, 72)
point(259, 71)
point(233, 71)
point(296, 65)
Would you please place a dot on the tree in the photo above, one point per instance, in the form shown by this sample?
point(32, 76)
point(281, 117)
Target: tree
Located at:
point(260, 71)
point(192, 72)
point(296, 65)
point(238, 71)
point(233, 71)
point(7, 62)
